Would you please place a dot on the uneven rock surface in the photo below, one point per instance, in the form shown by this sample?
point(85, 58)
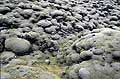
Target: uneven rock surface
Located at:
point(60, 39)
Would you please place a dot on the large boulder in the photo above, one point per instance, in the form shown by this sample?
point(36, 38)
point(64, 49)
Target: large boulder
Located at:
point(106, 39)
point(18, 45)
point(103, 48)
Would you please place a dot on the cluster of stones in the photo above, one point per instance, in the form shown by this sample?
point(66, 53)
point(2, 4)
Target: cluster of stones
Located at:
point(96, 54)
point(83, 35)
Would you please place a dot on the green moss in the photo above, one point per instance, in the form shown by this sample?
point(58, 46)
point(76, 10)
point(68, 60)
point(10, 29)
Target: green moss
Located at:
point(35, 72)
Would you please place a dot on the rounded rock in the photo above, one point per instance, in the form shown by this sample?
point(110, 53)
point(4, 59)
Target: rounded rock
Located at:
point(86, 55)
point(6, 56)
point(47, 61)
point(4, 10)
point(27, 13)
point(116, 54)
point(98, 51)
point(44, 23)
point(113, 18)
point(75, 57)
point(18, 45)
point(57, 13)
point(84, 73)
point(51, 29)
point(116, 65)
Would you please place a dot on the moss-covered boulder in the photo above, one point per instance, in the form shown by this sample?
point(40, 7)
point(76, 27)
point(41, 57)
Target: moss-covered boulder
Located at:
point(17, 45)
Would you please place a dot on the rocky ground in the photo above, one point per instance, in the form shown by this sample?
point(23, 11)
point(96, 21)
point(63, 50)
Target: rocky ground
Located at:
point(60, 39)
